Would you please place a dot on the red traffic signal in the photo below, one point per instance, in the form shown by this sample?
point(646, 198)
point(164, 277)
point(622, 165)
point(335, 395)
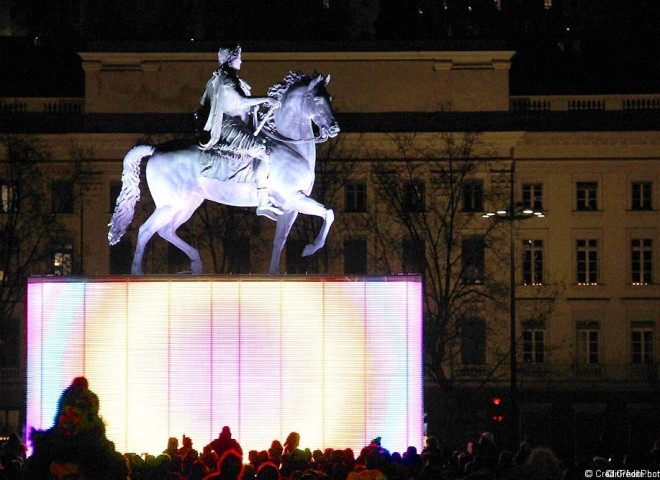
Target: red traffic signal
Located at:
point(496, 414)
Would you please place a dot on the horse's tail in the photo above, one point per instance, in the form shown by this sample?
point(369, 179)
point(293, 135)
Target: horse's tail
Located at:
point(130, 192)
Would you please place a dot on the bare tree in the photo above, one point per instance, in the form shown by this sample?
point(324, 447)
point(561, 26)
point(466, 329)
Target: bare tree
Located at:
point(231, 236)
point(29, 230)
point(429, 220)
point(433, 198)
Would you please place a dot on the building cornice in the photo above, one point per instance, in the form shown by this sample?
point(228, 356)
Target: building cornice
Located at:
point(440, 60)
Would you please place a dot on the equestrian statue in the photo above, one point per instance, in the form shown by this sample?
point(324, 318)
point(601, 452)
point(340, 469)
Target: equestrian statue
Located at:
point(252, 158)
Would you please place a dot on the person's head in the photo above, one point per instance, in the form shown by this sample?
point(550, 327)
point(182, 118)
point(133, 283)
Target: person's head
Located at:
point(198, 470)
point(78, 409)
point(230, 464)
point(292, 441)
point(268, 471)
point(543, 463)
point(172, 444)
point(276, 447)
point(230, 57)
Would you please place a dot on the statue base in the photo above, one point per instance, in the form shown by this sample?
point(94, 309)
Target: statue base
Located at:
point(337, 359)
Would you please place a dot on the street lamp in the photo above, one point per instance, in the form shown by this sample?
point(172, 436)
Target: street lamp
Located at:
point(513, 213)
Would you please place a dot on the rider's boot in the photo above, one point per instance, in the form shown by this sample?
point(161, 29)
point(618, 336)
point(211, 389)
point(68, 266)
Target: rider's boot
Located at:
point(265, 207)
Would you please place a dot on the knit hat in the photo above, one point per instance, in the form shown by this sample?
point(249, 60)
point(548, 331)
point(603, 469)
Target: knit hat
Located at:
point(79, 396)
point(76, 444)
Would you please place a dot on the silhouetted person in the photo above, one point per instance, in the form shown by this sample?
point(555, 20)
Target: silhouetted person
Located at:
point(268, 471)
point(224, 443)
point(76, 445)
point(230, 467)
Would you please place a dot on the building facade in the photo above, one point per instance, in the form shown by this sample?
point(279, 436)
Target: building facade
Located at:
point(585, 276)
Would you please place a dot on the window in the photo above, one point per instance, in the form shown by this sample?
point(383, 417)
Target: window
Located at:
point(9, 419)
point(7, 199)
point(62, 261)
point(641, 345)
point(642, 196)
point(642, 261)
point(115, 189)
point(61, 196)
point(473, 341)
point(413, 197)
point(356, 197)
point(473, 196)
point(533, 345)
point(587, 343)
point(355, 257)
point(12, 340)
point(587, 193)
point(532, 262)
point(414, 256)
point(587, 262)
point(473, 260)
point(532, 196)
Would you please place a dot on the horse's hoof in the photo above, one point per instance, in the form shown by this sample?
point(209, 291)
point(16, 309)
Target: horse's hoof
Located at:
point(309, 250)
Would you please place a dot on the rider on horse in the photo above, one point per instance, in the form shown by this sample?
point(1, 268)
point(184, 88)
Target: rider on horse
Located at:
point(227, 97)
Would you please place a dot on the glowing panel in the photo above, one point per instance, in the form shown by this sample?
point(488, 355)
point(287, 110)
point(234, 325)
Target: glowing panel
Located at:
point(338, 360)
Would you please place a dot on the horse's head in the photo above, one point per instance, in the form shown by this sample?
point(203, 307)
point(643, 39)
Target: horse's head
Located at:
point(317, 107)
point(305, 106)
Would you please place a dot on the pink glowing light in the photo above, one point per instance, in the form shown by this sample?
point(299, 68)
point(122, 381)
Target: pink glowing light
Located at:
point(337, 360)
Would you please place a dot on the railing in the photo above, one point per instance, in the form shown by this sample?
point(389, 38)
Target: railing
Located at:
point(535, 370)
point(588, 370)
point(574, 103)
point(14, 105)
point(472, 371)
point(648, 373)
point(519, 103)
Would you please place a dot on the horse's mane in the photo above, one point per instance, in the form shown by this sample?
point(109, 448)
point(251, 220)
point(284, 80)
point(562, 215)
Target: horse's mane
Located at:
point(278, 91)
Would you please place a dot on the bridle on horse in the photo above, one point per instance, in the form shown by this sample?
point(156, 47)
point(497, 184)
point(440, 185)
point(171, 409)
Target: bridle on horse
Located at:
point(276, 136)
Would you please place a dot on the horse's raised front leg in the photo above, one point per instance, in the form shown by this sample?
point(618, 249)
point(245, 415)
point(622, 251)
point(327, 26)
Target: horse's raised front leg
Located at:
point(319, 242)
point(282, 229)
point(308, 206)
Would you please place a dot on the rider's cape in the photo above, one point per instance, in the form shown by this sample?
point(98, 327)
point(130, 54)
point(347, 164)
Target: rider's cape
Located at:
point(232, 146)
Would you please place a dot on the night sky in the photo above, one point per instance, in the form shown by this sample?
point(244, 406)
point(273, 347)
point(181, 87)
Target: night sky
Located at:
point(606, 46)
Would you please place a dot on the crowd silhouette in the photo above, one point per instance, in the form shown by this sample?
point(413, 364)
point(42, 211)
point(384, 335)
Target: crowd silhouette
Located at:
point(76, 448)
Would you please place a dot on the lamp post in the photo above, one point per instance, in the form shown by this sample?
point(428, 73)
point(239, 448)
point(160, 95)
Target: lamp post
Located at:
point(514, 212)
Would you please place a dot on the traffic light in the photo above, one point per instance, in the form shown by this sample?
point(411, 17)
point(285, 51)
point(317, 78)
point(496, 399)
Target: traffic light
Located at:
point(497, 409)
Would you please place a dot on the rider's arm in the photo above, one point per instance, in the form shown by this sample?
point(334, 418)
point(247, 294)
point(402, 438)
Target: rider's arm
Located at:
point(235, 100)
